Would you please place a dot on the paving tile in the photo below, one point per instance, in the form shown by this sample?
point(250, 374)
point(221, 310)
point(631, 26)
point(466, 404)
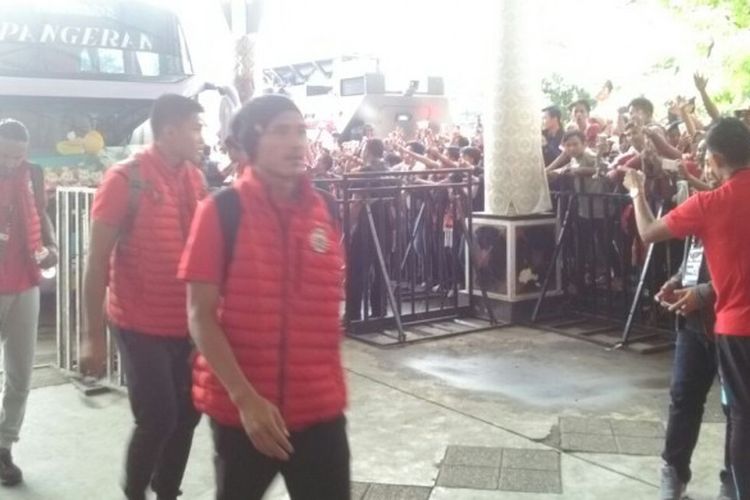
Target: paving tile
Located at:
point(638, 428)
point(580, 425)
point(640, 446)
point(531, 459)
point(476, 456)
point(531, 481)
point(589, 442)
point(397, 492)
point(359, 490)
point(460, 476)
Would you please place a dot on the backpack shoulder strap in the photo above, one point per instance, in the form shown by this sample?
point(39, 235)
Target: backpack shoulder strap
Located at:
point(132, 172)
point(229, 209)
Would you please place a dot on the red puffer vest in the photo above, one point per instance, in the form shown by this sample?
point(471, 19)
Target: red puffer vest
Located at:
point(280, 311)
point(28, 210)
point(144, 292)
point(32, 208)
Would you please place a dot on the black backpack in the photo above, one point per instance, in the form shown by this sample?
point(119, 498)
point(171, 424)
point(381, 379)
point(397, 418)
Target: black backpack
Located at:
point(229, 207)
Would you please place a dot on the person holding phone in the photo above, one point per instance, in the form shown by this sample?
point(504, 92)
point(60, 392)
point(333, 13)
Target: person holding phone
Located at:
point(718, 218)
point(690, 295)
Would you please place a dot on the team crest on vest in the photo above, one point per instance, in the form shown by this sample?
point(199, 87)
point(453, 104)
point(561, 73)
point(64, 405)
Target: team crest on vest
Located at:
point(319, 240)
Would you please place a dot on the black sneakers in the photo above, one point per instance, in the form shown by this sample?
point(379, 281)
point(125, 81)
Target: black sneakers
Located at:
point(10, 474)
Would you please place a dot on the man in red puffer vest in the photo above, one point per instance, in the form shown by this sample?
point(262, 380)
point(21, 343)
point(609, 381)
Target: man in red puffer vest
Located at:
point(264, 314)
point(26, 245)
point(141, 217)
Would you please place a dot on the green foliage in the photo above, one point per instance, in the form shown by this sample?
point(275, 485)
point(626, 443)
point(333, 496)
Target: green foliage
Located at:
point(561, 93)
point(728, 21)
point(737, 11)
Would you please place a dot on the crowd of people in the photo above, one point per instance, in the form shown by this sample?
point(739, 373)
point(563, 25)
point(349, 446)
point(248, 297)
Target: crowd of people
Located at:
point(697, 173)
point(260, 270)
point(660, 165)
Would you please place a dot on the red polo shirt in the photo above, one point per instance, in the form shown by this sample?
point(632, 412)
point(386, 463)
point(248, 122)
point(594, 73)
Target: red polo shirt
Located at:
point(720, 219)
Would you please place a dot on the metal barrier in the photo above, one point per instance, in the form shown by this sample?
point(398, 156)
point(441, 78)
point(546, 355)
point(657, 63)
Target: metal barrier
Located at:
point(73, 223)
point(608, 273)
point(407, 247)
point(407, 244)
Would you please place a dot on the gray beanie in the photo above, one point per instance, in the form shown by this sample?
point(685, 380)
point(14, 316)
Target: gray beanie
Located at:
point(251, 121)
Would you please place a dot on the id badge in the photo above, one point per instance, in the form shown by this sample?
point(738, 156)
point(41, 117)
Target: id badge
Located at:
point(693, 264)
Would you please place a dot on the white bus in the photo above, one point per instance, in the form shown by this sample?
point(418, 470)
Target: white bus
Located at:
point(83, 74)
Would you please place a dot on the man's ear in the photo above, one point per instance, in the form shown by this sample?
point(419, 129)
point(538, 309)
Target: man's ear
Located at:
point(719, 160)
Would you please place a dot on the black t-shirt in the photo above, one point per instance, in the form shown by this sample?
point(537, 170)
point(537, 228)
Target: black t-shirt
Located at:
point(551, 146)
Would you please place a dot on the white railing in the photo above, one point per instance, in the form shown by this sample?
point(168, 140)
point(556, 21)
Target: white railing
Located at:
point(73, 223)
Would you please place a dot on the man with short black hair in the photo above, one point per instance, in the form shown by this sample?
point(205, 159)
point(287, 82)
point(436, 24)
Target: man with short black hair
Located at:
point(472, 156)
point(141, 217)
point(265, 271)
point(373, 156)
point(641, 111)
point(362, 256)
point(642, 115)
point(26, 245)
point(580, 111)
point(410, 163)
point(718, 217)
point(583, 169)
point(552, 134)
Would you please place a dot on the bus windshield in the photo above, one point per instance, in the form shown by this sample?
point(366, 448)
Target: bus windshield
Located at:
point(115, 40)
point(75, 139)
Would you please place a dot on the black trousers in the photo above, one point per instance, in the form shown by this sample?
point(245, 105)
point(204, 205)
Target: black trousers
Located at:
point(317, 470)
point(364, 282)
point(693, 374)
point(734, 363)
point(158, 376)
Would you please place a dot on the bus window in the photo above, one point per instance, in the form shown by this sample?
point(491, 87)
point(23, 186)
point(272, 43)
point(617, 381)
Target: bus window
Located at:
point(149, 63)
point(129, 40)
point(111, 61)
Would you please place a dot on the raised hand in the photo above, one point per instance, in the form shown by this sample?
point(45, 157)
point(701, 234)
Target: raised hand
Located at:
point(701, 81)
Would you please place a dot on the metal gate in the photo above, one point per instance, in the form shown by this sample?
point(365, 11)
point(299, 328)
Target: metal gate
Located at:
point(409, 259)
point(409, 253)
point(609, 277)
point(73, 223)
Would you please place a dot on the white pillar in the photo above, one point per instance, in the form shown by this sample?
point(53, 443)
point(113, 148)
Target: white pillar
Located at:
point(515, 183)
point(239, 17)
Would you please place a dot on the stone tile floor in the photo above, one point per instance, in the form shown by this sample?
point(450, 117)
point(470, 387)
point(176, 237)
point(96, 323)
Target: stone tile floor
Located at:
point(602, 435)
point(487, 416)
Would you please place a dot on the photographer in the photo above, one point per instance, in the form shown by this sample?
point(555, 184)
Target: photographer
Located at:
point(690, 295)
